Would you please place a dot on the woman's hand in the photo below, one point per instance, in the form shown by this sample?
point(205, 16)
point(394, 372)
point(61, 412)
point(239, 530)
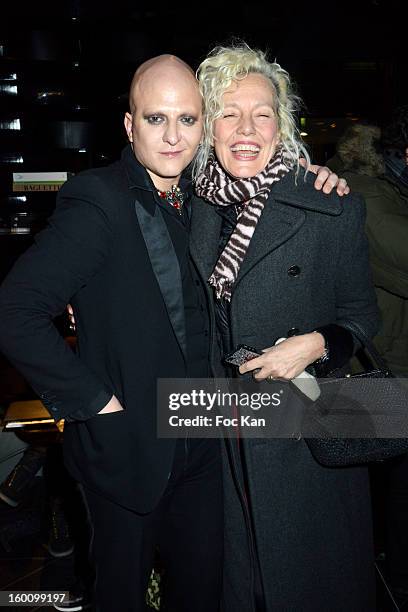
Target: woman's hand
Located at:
point(326, 179)
point(288, 359)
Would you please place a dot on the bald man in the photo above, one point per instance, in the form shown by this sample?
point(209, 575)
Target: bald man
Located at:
point(116, 248)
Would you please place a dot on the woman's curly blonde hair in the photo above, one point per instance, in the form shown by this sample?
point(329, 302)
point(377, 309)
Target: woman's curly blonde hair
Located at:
point(215, 75)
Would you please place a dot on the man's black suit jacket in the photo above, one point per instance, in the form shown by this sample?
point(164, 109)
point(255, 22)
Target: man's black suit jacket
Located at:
point(108, 252)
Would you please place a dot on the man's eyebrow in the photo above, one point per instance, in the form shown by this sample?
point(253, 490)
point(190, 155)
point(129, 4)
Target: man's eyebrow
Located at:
point(164, 112)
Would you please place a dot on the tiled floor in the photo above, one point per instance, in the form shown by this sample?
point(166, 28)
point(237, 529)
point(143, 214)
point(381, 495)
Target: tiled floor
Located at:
point(25, 563)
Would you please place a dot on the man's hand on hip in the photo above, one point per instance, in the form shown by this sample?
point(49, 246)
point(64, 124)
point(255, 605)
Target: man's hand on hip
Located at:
point(112, 406)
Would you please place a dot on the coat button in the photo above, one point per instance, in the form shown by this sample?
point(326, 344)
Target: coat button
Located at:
point(293, 331)
point(294, 271)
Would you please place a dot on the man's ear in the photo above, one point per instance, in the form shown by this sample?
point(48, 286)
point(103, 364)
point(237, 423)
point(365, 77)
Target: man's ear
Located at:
point(128, 126)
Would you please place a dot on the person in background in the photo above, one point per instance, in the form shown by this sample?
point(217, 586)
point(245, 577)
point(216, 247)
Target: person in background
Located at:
point(379, 177)
point(375, 164)
point(395, 144)
point(284, 262)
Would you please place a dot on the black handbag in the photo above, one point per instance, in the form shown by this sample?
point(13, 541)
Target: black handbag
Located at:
point(358, 419)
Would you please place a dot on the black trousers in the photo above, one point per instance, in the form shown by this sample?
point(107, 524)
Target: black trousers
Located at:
point(186, 527)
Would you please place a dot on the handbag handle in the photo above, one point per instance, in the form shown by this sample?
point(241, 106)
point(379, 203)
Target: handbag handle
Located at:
point(368, 345)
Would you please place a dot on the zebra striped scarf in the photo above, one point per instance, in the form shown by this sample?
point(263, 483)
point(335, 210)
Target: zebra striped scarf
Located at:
point(249, 196)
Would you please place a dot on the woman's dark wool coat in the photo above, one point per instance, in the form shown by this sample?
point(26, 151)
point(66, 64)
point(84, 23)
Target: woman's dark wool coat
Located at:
point(306, 266)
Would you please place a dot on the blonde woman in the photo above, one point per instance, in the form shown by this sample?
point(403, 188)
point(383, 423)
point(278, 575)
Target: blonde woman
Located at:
point(283, 260)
